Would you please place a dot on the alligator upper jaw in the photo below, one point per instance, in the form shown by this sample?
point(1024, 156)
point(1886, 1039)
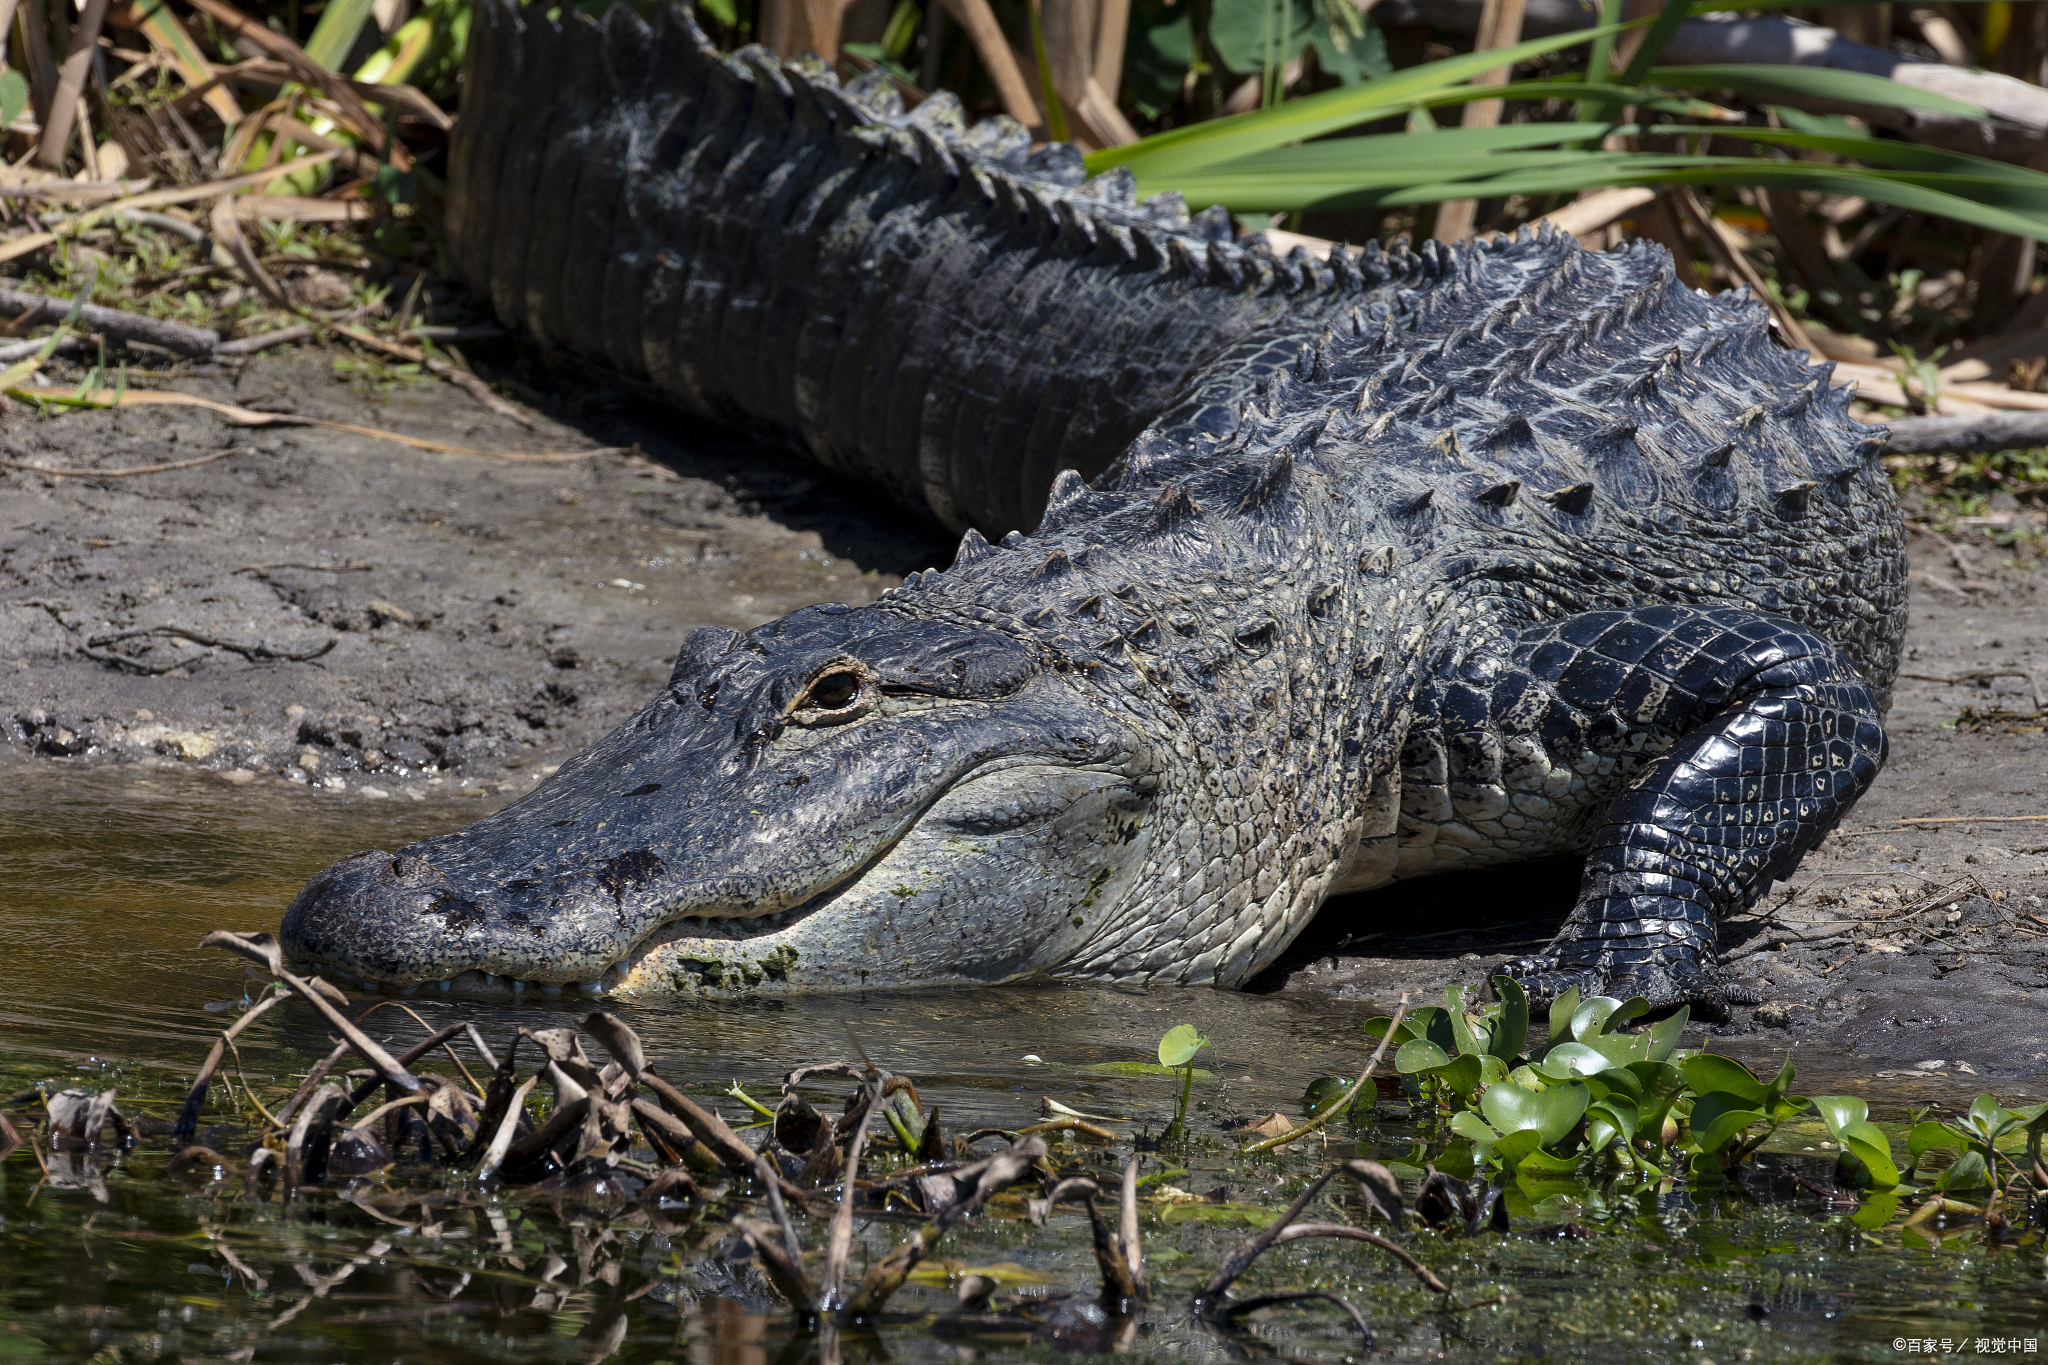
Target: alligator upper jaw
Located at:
point(1005, 874)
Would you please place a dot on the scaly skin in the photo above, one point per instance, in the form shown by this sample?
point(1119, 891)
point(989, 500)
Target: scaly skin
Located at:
point(1531, 551)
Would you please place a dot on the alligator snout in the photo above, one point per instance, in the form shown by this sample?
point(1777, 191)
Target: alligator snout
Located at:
point(354, 914)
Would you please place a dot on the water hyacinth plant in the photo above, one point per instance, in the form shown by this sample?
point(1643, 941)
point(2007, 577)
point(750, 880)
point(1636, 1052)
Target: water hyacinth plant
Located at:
point(1580, 1104)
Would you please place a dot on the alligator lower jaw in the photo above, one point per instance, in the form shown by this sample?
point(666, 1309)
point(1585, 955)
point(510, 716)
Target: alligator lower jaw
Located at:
point(627, 977)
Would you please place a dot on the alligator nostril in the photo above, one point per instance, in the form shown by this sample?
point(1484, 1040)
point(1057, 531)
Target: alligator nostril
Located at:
point(411, 871)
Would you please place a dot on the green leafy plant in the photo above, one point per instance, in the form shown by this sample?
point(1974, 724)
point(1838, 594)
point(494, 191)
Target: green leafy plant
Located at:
point(1304, 153)
point(1177, 1050)
point(1975, 1137)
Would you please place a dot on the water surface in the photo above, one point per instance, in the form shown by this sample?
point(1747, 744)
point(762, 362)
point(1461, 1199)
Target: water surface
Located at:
point(110, 875)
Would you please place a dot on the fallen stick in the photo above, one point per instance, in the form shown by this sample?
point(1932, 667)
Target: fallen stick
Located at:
point(1598, 209)
point(128, 473)
point(249, 417)
point(1343, 1105)
point(30, 310)
point(461, 379)
point(1991, 431)
point(251, 345)
point(183, 194)
point(263, 950)
point(202, 1084)
point(227, 231)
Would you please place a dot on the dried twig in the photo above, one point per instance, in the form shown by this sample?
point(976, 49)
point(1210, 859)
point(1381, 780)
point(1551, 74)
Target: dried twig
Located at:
point(26, 309)
point(263, 950)
point(66, 106)
point(362, 123)
point(840, 1239)
point(195, 1099)
point(1343, 1105)
point(462, 379)
point(1002, 1170)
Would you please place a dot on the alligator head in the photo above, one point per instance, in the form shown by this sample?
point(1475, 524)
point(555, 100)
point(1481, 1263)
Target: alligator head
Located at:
point(836, 799)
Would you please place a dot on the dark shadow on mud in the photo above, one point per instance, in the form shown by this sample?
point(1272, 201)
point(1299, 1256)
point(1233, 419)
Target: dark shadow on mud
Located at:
point(1495, 913)
point(855, 521)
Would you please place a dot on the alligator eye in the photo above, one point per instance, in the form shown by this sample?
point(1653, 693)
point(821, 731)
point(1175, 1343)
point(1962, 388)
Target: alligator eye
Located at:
point(834, 691)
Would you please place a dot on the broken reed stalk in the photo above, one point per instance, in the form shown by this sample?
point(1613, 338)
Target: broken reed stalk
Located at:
point(1230, 1312)
point(1298, 1231)
point(840, 1239)
point(202, 1084)
point(263, 950)
point(25, 309)
point(1127, 1225)
point(1379, 1187)
point(508, 1128)
point(1343, 1105)
point(67, 105)
point(1000, 1171)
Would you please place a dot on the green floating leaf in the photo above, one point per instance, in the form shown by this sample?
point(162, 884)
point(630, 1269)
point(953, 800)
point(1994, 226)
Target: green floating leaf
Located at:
point(1472, 1128)
point(1145, 1069)
point(1839, 1110)
point(1717, 1118)
point(1876, 1211)
point(1324, 1092)
point(1420, 1055)
point(1569, 1060)
point(1707, 1072)
point(1665, 1033)
point(1514, 1147)
point(1561, 1011)
point(1461, 1074)
point(1610, 1120)
point(1969, 1173)
point(1868, 1144)
point(1550, 1114)
point(1180, 1045)
point(1511, 1028)
point(1927, 1136)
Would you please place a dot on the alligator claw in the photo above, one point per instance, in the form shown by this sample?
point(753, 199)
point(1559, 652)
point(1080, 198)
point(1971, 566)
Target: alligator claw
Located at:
point(1667, 978)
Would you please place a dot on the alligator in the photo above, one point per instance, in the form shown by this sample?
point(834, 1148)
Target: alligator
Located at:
point(1337, 572)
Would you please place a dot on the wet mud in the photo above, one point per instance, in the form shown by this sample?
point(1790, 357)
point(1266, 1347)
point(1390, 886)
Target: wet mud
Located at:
point(327, 608)
point(364, 621)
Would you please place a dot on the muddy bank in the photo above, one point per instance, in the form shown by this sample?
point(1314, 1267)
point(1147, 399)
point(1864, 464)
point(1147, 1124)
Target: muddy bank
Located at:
point(318, 606)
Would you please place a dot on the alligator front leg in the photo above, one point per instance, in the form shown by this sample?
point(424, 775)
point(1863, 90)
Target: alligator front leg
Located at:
point(1772, 738)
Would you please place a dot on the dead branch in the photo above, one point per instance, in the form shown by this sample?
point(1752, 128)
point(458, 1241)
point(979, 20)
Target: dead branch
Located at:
point(34, 310)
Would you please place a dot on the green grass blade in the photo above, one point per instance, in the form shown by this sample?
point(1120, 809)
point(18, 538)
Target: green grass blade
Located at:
point(1184, 149)
point(1668, 20)
point(1599, 62)
point(1809, 82)
point(336, 32)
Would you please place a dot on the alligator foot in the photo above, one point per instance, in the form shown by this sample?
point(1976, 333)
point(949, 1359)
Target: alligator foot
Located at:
point(1667, 977)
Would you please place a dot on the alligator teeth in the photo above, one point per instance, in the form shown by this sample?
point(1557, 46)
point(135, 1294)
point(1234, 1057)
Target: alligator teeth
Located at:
point(518, 986)
point(551, 989)
point(592, 987)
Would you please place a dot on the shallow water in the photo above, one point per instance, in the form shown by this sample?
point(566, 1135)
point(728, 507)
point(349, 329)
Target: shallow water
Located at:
point(109, 876)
